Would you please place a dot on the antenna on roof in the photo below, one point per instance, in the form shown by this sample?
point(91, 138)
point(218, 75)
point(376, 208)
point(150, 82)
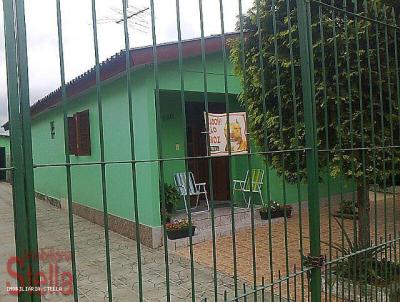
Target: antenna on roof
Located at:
point(138, 18)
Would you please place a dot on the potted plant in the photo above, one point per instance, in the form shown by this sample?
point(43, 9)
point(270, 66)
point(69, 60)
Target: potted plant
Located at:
point(172, 198)
point(179, 229)
point(276, 210)
point(347, 210)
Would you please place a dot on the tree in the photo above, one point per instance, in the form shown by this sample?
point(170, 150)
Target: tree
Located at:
point(395, 4)
point(356, 106)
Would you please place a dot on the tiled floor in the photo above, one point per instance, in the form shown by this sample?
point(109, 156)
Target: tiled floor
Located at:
point(272, 248)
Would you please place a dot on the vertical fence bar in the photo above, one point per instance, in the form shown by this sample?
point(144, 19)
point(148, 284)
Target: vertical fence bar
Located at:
point(397, 80)
point(209, 160)
point(19, 115)
point(132, 147)
point(351, 130)
point(365, 180)
point(372, 119)
point(390, 152)
point(297, 135)
point(339, 127)
point(185, 144)
point(382, 121)
point(227, 109)
point(350, 110)
point(361, 100)
point(102, 154)
point(66, 149)
point(327, 146)
point(265, 143)
point(249, 159)
point(159, 145)
point(22, 61)
point(307, 70)
point(281, 137)
point(22, 64)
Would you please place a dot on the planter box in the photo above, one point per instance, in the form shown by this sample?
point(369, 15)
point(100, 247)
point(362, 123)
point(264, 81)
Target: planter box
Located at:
point(345, 216)
point(276, 214)
point(178, 234)
point(358, 292)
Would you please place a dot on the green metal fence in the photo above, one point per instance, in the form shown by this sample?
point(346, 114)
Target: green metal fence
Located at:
point(321, 90)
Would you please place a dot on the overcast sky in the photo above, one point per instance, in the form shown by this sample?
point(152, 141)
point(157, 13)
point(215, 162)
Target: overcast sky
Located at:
point(78, 36)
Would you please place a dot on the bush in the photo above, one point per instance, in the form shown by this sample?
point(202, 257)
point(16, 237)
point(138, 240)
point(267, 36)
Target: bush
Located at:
point(172, 197)
point(347, 207)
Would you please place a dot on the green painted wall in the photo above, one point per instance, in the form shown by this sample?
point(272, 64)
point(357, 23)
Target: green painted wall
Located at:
point(5, 142)
point(86, 180)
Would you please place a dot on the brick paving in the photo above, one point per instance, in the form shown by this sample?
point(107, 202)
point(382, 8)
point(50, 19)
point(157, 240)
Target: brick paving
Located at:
point(289, 248)
point(53, 233)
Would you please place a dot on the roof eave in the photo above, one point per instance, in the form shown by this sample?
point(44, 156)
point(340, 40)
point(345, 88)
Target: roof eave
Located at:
point(116, 66)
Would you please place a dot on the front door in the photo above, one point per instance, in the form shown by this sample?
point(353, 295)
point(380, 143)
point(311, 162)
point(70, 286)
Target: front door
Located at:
point(2, 163)
point(197, 146)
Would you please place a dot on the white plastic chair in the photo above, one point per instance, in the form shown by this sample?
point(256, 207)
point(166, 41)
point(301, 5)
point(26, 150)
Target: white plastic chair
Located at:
point(257, 178)
point(195, 189)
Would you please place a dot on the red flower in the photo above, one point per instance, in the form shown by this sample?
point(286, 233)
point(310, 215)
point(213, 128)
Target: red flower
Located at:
point(177, 225)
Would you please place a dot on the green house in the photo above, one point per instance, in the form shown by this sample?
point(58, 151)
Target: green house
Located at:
point(152, 141)
point(4, 157)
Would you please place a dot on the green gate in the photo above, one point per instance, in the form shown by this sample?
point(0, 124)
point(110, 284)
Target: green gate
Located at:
point(321, 89)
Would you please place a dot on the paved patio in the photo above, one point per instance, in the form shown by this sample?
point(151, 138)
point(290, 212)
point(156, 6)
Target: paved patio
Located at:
point(289, 248)
point(53, 234)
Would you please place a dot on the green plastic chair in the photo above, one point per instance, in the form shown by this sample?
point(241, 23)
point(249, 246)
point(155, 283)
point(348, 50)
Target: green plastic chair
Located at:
point(257, 178)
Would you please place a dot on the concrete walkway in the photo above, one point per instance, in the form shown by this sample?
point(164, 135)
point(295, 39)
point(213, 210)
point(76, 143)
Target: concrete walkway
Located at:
point(53, 233)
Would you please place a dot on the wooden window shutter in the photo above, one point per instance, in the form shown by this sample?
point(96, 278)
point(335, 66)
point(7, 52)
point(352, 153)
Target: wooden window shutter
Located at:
point(83, 133)
point(72, 135)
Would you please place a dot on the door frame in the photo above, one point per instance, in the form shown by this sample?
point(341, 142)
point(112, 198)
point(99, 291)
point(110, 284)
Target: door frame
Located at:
point(198, 134)
point(3, 163)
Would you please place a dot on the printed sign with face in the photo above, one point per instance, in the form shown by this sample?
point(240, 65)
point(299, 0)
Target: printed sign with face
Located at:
point(219, 140)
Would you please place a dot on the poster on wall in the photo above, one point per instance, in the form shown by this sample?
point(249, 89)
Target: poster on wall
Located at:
point(219, 133)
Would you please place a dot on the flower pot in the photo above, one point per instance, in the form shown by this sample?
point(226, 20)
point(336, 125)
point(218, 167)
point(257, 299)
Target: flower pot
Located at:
point(178, 234)
point(276, 214)
point(351, 216)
